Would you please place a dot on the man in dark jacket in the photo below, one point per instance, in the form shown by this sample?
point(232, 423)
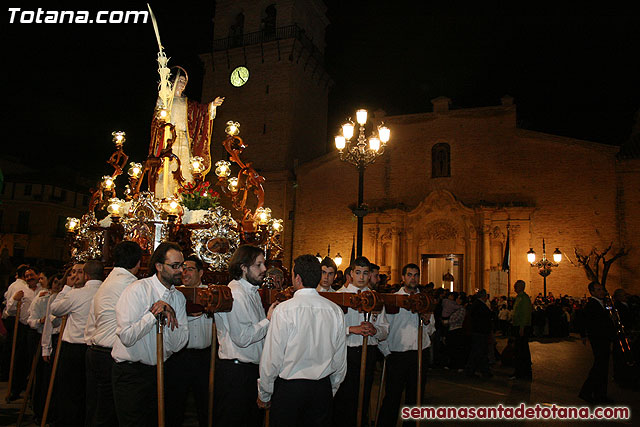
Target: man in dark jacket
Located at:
point(480, 316)
point(599, 329)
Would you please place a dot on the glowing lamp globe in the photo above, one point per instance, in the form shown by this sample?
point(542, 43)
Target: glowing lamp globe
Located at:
point(361, 116)
point(135, 169)
point(347, 130)
point(531, 256)
point(557, 256)
point(232, 129)
point(223, 168)
point(71, 224)
point(340, 142)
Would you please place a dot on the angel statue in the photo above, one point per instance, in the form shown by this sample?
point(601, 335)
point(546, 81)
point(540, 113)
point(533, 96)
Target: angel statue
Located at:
point(193, 128)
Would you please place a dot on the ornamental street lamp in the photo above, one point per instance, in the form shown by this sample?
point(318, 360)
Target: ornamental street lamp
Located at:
point(337, 259)
point(544, 265)
point(361, 153)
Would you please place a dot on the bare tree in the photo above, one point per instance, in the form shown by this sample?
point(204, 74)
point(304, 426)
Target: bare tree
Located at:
point(595, 259)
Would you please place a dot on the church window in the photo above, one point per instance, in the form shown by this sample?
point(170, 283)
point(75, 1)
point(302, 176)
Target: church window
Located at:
point(269, 21)
point(440, 160)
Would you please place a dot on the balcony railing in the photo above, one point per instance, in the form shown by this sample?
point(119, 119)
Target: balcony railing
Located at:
point(264, 36)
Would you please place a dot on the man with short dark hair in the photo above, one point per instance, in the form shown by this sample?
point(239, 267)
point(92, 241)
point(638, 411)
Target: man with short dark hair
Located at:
point(305, 357)
point(100, 334)
point(401, 351)
point(356, 328)
point(134, 374)
point(241, 334)
point(522, 329)
point(374, 276)
point(600, 331)
point(76, 303)
point(24, 295)
point(186, 370)
point(328, 268)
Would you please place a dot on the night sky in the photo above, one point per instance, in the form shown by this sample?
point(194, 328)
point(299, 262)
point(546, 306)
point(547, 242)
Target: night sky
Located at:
point(70, 86)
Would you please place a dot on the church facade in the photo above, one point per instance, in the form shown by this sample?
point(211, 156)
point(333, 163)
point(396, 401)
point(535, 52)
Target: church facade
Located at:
point(451, 186)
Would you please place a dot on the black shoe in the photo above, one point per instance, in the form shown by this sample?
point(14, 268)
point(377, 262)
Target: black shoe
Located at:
point(587, 398)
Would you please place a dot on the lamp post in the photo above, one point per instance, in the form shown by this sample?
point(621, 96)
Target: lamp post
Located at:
point(544, 265)
point(360, 154)
point(337, 259)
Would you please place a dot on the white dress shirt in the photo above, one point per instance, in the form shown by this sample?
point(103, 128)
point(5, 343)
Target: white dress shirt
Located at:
point(51, 327)
point(75, 302)
point(101, 324)
point(241, 331)
point(403, 331)
point(38, 310)
point(29, 296)
point(306, 340)
point(11, 290)
point(199, 330)
point(136, 325)
point(321, 289)
point(355, 318)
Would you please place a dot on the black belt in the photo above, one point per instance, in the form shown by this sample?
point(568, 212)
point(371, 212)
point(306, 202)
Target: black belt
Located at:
point(237, 362)
point(100, 349)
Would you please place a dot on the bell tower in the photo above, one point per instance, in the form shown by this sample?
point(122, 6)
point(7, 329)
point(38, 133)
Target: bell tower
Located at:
point(279, 96)
point(267, 60)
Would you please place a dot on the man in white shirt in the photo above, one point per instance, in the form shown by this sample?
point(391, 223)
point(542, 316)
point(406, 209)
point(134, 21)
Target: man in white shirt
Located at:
point(304, 359)
point(9, 321)
point(329, 269)
point(23, 293)
point(187, 370)
point(241, 334)
point(75, 303)
point(100, 334)
point(401, 351)
point(134, 351)
point(346, 400)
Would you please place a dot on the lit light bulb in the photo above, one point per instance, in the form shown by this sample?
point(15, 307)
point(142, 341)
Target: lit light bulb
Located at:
point(557, 256)
point(361, 116)
point(233, 184)
point(347, 130)
point(384, 133)
point(341, 142)
point(197, 165)
point(263, 216)
point(531, 256)
point(118, 138)
point(115, 206)
point(163, 114)
point(233, 128)
point(135, 169)
point(223, 168)
point(107, 182)
point(276, 224)
point(374, 143)
point(338, 259)
point(71, 224)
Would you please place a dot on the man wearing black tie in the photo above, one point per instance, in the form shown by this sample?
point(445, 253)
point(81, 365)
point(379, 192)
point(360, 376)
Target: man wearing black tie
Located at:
point(599, 329)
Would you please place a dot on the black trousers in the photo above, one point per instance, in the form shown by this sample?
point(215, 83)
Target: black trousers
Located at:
point(301, 403)
point(71, 378)
point(101, 410)
point(522, 353)
point(185, 371)
point(134, 394)
point(458, 348)
point(22, 361)
point(345, 403)
point(479, 356)
point(236, 393)
point(41, 380)
point(596, 384)
point(5, 356)
point(402, 375)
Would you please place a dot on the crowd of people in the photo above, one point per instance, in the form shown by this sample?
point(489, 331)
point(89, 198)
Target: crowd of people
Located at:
point(300, 358)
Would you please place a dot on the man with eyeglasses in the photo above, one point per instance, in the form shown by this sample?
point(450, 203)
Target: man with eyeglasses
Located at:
point(186, 370)
point(134, 373)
